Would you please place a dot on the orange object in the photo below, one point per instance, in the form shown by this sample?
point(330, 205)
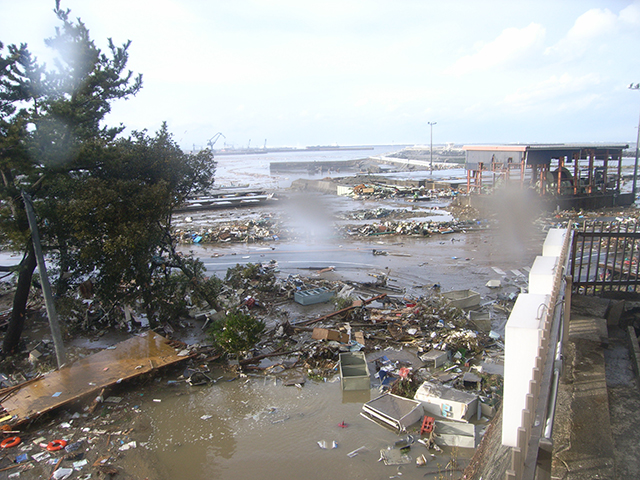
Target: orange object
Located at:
point(427, 425)
point(56, 445)
point(10, 442)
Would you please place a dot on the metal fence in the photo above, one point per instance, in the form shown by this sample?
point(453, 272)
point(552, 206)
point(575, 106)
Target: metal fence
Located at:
point(605, 257)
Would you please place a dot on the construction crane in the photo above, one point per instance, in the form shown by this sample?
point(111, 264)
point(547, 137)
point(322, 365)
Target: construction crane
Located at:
point(212, 141)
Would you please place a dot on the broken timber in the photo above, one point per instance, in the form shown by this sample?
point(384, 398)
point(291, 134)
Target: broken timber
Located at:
point(129, 359)
point(344, 310)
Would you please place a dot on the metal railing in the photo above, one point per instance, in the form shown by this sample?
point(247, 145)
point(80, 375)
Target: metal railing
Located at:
point(605, 257)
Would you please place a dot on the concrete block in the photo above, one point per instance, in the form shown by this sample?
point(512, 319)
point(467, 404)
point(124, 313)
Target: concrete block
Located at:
point(554, 242)
point(614, 312)
point(634, 350)
point(542, 274)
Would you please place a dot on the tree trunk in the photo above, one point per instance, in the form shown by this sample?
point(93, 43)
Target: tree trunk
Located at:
point(16, 322)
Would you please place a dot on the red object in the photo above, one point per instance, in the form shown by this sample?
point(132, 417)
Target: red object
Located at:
point(10, 442)
point(56, 445)
point(404, 372)
point(427, 425)
point(343, 425)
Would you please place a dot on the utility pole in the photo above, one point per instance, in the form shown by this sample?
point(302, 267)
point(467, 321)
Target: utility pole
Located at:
point(431, 124)
point(44, 279)
point(635, 165)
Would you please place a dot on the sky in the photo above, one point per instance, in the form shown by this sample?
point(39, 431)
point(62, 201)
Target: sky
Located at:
point(362, 72)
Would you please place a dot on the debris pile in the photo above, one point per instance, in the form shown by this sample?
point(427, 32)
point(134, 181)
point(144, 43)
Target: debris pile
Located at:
point(412, 228)
point(267, 228)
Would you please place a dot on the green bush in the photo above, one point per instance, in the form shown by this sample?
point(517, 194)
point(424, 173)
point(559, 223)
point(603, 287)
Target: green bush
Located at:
point(237, 332)
point(343, 302)
point(241, 275)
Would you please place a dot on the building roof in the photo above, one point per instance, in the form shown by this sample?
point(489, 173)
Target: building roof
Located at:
point(538, 153)
point(519, 147)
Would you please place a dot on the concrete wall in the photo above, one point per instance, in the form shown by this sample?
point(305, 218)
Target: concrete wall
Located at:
point(522, 337)
point(527, 325)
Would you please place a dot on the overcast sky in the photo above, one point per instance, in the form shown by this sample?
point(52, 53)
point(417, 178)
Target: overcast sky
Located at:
point(350, 72)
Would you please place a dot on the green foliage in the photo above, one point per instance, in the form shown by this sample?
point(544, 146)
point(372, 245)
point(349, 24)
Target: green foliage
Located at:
point(237, 332)
point(104, 202)
point(405, 387)
point(343, 302)
point(241, 275)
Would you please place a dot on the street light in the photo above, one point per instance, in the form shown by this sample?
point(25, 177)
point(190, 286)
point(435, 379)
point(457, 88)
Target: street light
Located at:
point(431, 124)
point(635, 165)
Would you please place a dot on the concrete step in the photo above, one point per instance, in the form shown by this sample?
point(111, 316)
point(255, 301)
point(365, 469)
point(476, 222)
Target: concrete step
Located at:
point(583, 442)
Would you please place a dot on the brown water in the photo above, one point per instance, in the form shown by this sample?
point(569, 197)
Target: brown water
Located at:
point(257, 428)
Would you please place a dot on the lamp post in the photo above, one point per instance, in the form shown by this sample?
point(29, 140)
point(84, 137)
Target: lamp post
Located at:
point(431, 124)
point(635, 165)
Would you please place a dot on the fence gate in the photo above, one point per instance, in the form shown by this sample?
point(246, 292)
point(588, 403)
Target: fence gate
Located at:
point(605, 257)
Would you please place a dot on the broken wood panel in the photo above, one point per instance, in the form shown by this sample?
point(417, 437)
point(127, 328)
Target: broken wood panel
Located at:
point(89, 375)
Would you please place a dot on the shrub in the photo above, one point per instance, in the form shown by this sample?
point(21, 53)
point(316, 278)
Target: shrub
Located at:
point(237, 332)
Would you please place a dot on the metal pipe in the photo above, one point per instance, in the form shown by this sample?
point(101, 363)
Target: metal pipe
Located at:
point(431, 124)
point(54, 324)
point(635, 165)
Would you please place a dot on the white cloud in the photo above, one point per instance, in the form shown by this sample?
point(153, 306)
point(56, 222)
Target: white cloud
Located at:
point(558, 90)
point(631, 15)
point(591, 27)
point(510, 45)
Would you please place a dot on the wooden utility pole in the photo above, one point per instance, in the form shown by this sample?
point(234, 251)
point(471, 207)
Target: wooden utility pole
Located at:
point(44, 279)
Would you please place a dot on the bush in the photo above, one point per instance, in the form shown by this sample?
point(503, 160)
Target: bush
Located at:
point(343, 302)
point(237, 332)
point(240, 275)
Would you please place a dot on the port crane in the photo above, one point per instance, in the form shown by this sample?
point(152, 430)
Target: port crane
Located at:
point(212, 141)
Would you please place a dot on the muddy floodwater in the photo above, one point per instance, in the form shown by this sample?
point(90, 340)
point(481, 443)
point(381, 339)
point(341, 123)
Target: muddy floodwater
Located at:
point(256, 428)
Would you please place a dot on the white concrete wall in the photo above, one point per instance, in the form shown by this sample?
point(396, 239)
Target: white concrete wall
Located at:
point(542, 274)
point(523, 332)
point(554, 242)
point(522, 336)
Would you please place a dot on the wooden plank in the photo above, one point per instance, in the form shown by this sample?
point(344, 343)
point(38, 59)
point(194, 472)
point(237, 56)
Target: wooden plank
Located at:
point(89, 375)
